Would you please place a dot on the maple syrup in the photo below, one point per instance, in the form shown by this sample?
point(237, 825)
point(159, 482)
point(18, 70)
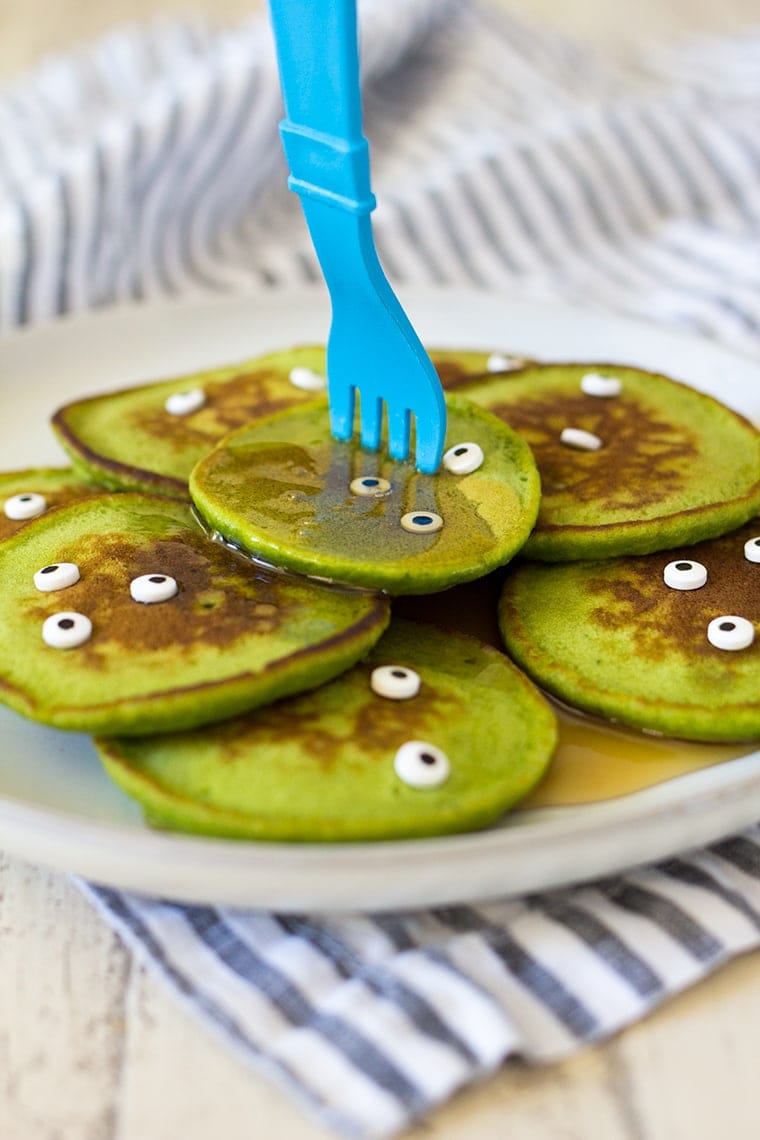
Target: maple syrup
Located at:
point(595, 761)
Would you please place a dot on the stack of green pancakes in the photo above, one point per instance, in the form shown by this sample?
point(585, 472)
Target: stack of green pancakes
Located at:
point(637, 596)
point(263, 626)
point(149, 437)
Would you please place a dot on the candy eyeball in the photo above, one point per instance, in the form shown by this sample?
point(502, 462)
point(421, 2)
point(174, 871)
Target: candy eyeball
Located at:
point(27, 505)
point(499, 362)
point(463, 458)
point(421, 765)
point(685, 575)
point(66, 630)
point(730, 632)
point(396, 682)
point(57, 576)
point(752, 549)
point(183, 403)
point(606, 387)
point(579, 439)
point(150, 588)
point(370, 485)
point(307, 379)
point(421, 522)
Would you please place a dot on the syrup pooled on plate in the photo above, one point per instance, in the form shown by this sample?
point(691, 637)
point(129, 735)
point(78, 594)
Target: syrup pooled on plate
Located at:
point(595, 762)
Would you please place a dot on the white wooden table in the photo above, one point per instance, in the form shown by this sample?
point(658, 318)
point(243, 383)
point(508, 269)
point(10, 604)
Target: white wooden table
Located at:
point(92, 1048)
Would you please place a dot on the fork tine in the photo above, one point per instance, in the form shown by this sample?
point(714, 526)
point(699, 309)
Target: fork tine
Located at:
point(399, 430)
point(430, 435)
point(371, 413)
point(342, 399)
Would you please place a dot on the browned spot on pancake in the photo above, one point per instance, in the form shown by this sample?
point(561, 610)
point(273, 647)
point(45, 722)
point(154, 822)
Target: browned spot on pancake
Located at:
point(230, 404)
point(9, 527)
point(663, 619)
point(453, 375)
point(384, 724)
point(220, 596)
point(281, 723)
point(377, 727)
point(642, 461)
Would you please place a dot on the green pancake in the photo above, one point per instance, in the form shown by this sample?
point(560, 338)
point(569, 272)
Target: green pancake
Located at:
point(59, 486)
point(675, 466)
point(127, 440)
point(281, 490)
point(233, 637)
point(320, 766)
point(609, 637)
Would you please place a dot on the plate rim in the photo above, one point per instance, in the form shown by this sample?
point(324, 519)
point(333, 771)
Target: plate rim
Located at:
point(61, 840)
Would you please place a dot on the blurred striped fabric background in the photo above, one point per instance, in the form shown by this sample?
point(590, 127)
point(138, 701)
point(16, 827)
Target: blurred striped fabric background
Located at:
point(503, 157)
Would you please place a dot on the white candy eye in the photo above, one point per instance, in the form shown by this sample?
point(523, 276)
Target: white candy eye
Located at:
point(57, 576)
point(580, 439)
point(307, 379)
point(685, 575)
point(419, 522)
point(395, 682)
point(752, 549)
point(153, 588)
point(421, 765)
point(730, 632)
point(498, 362)
point(183, 403)
point(27, 505)
point(463, 458)
point(369, 485)
point(66, 630)
point(605, 386)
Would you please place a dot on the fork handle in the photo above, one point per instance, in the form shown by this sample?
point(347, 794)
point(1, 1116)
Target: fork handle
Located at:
point(318, 57)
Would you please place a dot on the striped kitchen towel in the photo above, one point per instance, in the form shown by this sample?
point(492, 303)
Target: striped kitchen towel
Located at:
point(373, 1020)
point(506, 158)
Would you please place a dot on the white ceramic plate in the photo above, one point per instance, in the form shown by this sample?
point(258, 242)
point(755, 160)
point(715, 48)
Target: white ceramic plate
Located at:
point(59, 809)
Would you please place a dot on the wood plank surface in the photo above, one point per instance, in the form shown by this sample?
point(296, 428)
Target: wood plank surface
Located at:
point(91, 1045)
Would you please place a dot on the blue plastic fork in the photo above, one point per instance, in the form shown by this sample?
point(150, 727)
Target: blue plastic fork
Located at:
point(372, 348)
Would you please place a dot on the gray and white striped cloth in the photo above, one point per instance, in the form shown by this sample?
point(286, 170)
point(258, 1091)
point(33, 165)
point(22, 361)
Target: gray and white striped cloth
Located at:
point(373, 1020)
point(505, 158)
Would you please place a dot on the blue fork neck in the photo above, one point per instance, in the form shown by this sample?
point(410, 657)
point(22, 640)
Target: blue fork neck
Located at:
point(318, 56)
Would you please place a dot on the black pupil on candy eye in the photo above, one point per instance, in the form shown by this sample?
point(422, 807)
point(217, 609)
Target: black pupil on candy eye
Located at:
point(422, 520)
point(756, 541)
point(48, 569)
point(157, 578)
point(370, 482)
point(25, 498)
point(65, 623)
point(461, 451)
point(399, 672)
point(727, 626)
point(683, 565)
point(427, 758)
